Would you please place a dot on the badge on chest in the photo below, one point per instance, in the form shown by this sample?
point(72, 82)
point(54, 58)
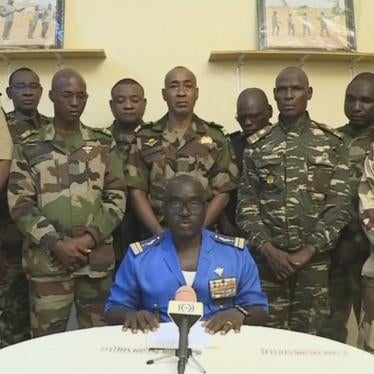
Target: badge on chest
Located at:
point(222, 288)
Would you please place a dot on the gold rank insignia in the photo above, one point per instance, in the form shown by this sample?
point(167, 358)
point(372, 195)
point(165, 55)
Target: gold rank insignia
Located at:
point(87, 148)
point(206, 140)
point(223, 288)
point(151, 142)
point(270, 179)
point(325, 156)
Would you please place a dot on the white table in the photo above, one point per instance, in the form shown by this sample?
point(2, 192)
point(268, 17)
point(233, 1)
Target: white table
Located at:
point(108, 350)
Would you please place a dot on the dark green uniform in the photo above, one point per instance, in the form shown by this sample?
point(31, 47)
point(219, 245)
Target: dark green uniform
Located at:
point(131, 229)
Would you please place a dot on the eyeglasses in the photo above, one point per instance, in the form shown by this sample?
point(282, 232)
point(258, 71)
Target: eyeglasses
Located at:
point(177, 206)
point(23, 86)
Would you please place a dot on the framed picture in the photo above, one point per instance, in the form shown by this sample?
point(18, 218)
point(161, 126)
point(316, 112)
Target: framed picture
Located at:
point(306, 24)
point(31, 24)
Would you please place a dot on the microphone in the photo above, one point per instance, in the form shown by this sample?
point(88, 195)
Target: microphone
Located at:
point(185, 311)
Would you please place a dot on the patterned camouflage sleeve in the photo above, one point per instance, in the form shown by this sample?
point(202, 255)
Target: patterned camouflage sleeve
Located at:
point(113, 199)
point(248, 217)
point(366, 192)
point(225, 173)
point(22, 198)
point(137, 173)
point(338, 207)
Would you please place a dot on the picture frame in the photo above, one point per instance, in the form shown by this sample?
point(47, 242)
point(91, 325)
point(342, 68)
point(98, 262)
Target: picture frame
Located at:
point(31, 24)
point(306, 24)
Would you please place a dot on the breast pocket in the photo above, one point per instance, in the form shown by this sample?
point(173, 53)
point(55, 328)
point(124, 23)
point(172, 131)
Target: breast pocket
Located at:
point(49, 174)
point(269, 172)
point(320, 171)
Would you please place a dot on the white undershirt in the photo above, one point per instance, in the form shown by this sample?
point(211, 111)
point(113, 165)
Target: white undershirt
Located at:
point(189, 276)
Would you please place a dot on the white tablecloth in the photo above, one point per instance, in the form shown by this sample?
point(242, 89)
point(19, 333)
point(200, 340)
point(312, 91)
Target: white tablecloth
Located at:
point(257, 350)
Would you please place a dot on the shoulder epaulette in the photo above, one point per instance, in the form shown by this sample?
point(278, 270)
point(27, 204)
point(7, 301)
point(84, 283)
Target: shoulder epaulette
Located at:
point(236, 242)
point(103, 130)
point(329, 129)
point(218, 127)
point(144, 125)
point(259, 134)
point(139, 247)
point(27, 134)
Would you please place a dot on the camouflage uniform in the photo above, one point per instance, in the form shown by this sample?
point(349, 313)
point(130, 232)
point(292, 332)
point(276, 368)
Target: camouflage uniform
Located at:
point(159, 154)
point(366, 194)
point(59, 191)
point(131, 228)
point(345, 280)
point(293, 192)
point(14, 303)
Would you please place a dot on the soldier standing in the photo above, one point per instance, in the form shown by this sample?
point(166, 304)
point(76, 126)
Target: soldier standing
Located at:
point(25, 91)
point(180, 142)
point(5, 158)
point(352, 248)
point(253, 112)
point(366, 194)
point(294, 201)
point(128, 105)
point(67, 194)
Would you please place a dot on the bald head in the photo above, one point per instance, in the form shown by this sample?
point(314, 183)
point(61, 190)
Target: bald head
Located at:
point(69, 97)
point(293, 71)
point(180, 93)
point(253, 110)
point(179, 69)
point(292, 92)
point(359, 101)
point(66, 75)
point(175, 185)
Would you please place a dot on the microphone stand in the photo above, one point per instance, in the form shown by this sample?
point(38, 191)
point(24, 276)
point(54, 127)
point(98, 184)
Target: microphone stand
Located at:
point(191, 354)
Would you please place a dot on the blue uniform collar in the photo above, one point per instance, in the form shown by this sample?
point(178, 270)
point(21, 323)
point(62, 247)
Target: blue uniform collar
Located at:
point(171, 257)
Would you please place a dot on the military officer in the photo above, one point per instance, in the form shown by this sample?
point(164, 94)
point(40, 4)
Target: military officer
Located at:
point(219, 268)
point(6, 146)
point(253, 112)
point(25, 92)
point(67, 194)
point(366, 194)
point(128, 105)
point(352, 248)
point(180, 142)
point(294, 201)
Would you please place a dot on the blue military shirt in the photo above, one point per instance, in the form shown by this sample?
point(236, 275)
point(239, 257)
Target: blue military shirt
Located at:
point(151, 273)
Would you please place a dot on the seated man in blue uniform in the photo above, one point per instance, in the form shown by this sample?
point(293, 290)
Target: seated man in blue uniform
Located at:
point(219, 268)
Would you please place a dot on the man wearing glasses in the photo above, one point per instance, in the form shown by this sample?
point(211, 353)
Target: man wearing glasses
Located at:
point(219, 268)
point(25, 91)
point(67, 194)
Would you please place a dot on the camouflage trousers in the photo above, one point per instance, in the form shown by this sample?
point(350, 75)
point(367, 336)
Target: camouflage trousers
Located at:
point(366, 326)
point(301, 301)
point(51, 303)
point(344, 293)
point(14, 300)
point(14, 308)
